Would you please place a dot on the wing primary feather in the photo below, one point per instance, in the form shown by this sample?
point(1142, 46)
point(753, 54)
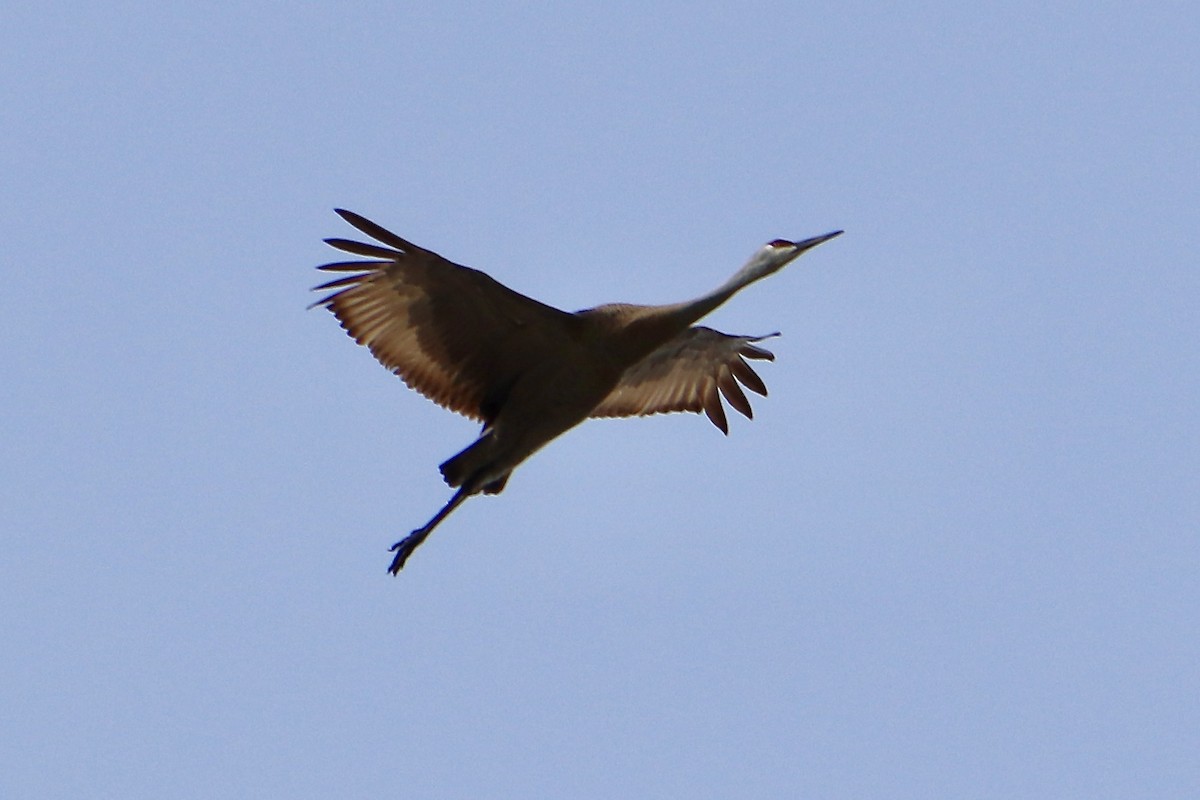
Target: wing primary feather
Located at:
point(362, 249)
point(749, 378)
point(376, 231)
point(327, 301)
point(734, 394)
point(355, 266)
point(713, 408)
point(349, 280)
point(750, 351)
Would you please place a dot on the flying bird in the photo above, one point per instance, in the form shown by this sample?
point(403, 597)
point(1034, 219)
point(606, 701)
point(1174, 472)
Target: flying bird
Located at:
point(528, 371)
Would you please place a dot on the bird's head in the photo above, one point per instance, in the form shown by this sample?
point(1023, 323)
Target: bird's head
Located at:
point(774, 256)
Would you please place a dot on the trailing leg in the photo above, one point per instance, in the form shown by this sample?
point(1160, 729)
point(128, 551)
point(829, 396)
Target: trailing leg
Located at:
point(405, 547)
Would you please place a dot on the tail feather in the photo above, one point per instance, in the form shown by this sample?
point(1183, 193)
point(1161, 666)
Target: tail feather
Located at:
point(496, 486)
point(454, 470)
point(471, 465)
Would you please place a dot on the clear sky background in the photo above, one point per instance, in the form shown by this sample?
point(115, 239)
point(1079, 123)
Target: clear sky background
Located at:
point(955, 554)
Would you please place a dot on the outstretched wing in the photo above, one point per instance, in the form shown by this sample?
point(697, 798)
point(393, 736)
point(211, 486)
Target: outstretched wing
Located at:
point(451, 332)
point(686, 373)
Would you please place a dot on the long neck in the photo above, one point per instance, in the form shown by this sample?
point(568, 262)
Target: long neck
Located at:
point(691, 311)
point(663, 323)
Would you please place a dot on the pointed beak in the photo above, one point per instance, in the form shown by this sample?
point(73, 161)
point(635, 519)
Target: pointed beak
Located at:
point(808, 244)
point(776, 255)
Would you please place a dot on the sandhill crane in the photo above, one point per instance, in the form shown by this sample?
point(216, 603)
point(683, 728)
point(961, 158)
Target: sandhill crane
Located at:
point(526, 370)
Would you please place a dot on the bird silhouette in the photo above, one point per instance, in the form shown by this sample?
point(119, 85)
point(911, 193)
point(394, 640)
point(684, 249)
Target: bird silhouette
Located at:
point(528, 371)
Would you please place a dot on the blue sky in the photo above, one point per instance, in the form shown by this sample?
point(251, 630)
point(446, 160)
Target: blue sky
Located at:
point(954, 555)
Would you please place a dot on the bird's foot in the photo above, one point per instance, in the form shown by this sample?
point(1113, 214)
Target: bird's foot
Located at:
point(405, 547)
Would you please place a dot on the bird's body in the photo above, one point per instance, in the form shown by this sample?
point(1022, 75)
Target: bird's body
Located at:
point(527, 371)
